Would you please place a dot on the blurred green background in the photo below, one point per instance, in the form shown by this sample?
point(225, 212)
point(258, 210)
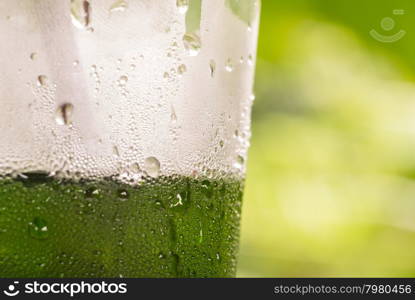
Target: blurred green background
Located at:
point(331, 174)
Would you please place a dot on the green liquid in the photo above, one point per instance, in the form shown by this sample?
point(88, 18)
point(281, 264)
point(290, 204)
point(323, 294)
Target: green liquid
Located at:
point(169, 227)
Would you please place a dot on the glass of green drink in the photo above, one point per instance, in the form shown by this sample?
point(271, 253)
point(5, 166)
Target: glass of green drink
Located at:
point(124, 131)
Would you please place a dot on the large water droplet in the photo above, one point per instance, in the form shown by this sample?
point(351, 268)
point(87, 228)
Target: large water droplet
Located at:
point(64, 114)
point(239, 162)
point(181, 69)
point(212, 66)
point(182, 6)
point(173, 116)
point(119, 5)
point(123, 80)
point(92, 192)
point(115, 151)
point(80, 13)
point(135, 168)
point(229, 65)
point(123, 194)
point(38, 229)
point(179, 201)
point(192, 43)
point(250, 60)
point(152, 166)
point(201, 234)
point(42, 80)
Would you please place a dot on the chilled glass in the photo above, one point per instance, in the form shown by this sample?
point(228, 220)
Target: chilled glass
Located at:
point(124, 128)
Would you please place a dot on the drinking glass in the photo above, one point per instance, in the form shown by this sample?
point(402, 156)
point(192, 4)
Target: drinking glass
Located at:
point(124, 129)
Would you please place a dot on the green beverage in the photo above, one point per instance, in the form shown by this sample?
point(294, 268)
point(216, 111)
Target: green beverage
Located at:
point(169, 227)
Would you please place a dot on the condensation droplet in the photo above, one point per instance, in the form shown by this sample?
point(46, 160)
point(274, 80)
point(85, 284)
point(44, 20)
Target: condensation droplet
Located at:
point(152, 166)
point(75, 63)
point(181, 69)
point(182, 6)
point(80, 13)
point(33, 56)
point(64, 114)
point(38, 229)
point(135, 168)
point(192, 43)
point(212, 66)
point(250, 60)
point(119, 5)
point(42, 80)
point(115, 151)
point(239, 162)
point(173, 116)
point(123, 194)
point(123, 80)
point(201, 235)
point(229, 65)
point(179, 201)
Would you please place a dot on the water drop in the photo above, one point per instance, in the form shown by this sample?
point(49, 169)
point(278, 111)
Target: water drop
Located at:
point(119, 5)
point(229, 65)
point(182, 6)
point(221, 143)
point(250, 60)
point(38, 229)
point(212, 66)
point(179, 201)
point(181, 69)
point(123, 80)
point(239, 162)
point(123, 194)
point(152, 166)
point(173, 116)
point(135, 168)
point(115, 151)
point(192, 43)
point(92, 193)
point(75, 63)
point(64, 114)
point(207, 188)
point(42, 80)
point(80, 13)
point(33, 56)
point(201, 235)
